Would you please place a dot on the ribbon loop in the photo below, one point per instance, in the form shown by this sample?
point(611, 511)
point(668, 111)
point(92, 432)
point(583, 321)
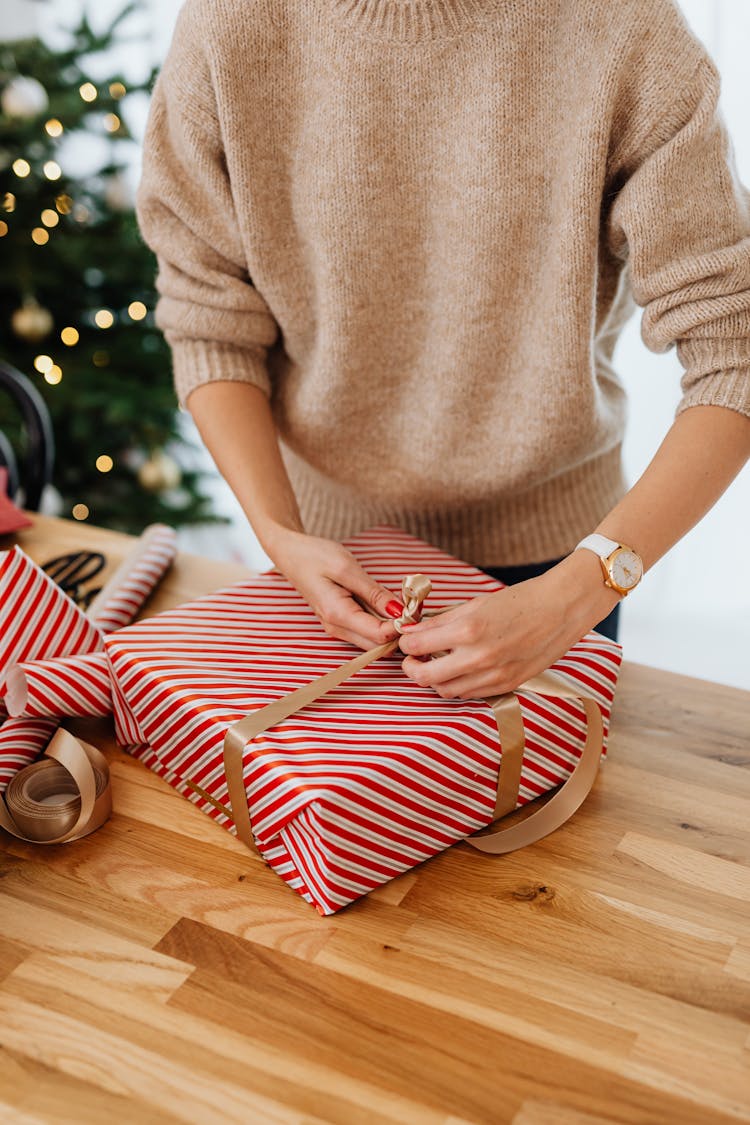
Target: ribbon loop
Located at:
point(62, 797)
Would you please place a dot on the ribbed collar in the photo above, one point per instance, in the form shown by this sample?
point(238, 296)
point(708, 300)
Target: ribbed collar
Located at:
point(411, 20)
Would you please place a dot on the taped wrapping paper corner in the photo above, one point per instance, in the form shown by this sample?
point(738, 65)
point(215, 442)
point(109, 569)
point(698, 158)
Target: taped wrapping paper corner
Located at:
point(52, 664)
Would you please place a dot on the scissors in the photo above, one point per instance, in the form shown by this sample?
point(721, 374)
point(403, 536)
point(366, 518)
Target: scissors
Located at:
point(71, 571)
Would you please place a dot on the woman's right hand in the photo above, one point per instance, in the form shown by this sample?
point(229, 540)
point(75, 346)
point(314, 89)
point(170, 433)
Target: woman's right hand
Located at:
point(327, 576)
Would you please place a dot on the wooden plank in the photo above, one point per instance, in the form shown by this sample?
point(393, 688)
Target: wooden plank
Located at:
point(196, 1066)
point(493, 1065)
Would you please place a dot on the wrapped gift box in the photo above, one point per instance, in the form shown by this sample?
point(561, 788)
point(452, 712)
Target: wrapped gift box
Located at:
point(374, 777)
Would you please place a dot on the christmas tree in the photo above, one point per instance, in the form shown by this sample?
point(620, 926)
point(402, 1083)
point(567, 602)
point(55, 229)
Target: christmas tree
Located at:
point(77, 290)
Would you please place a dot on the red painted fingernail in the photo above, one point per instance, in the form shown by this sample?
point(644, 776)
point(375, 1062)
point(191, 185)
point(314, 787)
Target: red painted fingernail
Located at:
point(394, 608)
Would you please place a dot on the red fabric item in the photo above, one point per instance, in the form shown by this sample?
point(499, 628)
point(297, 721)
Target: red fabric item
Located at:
point(11, 517)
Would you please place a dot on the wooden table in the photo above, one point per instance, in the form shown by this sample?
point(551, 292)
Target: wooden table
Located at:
point(157, 971)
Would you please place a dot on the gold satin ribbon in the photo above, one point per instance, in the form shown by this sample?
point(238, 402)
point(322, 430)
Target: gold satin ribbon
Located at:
point(76, 776)
point(506, 709)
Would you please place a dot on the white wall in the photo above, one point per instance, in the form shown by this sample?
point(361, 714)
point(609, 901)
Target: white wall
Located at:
point(691, 614)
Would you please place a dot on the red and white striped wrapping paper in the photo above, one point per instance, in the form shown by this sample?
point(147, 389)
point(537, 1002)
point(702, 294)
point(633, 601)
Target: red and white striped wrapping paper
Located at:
point(131, 584)
point(51, 658)
point(377, 775)
point(68, 685)
point(36, 620)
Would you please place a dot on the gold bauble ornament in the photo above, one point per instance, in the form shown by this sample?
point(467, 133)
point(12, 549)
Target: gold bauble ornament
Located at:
point(32, 322)
point(159, 473)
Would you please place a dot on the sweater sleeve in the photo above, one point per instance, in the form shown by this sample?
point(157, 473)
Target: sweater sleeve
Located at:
point(217, 324)
point(681, 217)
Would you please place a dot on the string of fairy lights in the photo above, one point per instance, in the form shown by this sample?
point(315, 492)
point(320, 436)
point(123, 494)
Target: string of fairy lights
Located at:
point(48, 366)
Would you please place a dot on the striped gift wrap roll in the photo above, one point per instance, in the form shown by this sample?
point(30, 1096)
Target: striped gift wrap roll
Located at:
point(37, 621)
point(52, 659)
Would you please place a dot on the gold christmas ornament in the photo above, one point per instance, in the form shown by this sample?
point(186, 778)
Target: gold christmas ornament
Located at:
point(159, 473)
point(32, 322)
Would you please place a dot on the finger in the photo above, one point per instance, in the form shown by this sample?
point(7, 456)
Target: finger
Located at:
point(393, 608)
point(425, 638)
point(471, 687)
point(357, 581)
point(355, 638)
point(439, 671)
point(342, 612)
point(350, 616)
point(449, 614)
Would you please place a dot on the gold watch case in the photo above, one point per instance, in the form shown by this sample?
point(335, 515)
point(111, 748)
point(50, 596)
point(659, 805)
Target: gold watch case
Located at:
point(617, 563)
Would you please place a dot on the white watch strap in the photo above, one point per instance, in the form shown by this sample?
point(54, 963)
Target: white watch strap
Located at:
point(599, 544)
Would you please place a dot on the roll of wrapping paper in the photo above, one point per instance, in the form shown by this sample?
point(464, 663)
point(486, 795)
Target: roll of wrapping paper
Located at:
point(67, 685)
point(45, 676)
point(121, 598)
point(37, 621)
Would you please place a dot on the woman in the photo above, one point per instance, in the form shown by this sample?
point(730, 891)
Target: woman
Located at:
point(397, 240)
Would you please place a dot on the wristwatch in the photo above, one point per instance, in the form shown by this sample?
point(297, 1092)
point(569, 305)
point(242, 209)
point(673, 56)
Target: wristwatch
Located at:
point(622, 566)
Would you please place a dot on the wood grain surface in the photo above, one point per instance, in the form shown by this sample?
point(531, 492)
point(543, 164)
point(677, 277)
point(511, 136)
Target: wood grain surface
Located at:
point(157, 971)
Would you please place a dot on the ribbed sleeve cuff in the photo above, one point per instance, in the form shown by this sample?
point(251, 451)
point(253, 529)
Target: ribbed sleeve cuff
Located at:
point(720, 388)
point(195, 362)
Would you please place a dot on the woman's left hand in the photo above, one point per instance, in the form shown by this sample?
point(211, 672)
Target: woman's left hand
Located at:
point(494, 642)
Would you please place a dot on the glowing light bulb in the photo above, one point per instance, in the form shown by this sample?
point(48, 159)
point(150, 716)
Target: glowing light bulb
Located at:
point(117, 90)
point(53, 127)
point(3, 228)
point(137, 310)
point(104, 463)
point(88, 91)
point(104, 318)
point(64, 204)
point(50, 218)
point(21, 167)
point(79, 512)
point(52, 170)
point(43, 363)
point(54, 375)
point(111, 122)
point(69, 336)
point(40, 236)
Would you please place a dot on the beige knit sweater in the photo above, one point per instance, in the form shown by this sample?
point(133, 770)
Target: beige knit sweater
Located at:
point(419, 226)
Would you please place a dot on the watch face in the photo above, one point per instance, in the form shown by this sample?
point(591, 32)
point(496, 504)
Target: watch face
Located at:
point(626, 568)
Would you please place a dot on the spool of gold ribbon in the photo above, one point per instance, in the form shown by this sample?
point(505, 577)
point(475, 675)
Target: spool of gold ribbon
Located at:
point(62, 797)
point(506, 708)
